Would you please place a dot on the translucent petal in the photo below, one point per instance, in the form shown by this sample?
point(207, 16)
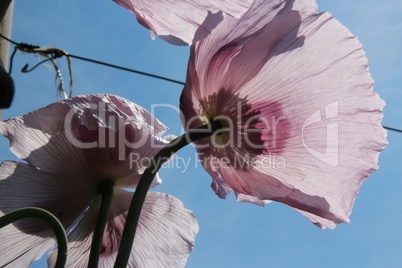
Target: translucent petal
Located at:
point(183, 22)
point(164, 237)
point(303, 81)
point(21, 186)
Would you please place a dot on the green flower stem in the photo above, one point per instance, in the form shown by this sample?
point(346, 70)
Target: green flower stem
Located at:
point(106, 190)
point(143, 186)
point(50, 219)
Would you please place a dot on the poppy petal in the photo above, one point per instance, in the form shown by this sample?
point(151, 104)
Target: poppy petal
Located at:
point(164, 237)
point(183, 22)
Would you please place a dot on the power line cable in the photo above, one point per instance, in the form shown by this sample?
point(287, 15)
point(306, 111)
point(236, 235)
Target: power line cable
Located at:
point(127, 69)
point(36, 49)
point(56, 53)
point(392, 129)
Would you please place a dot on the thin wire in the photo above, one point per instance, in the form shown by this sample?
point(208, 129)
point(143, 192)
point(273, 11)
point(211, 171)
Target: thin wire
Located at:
point(105, 64)
point(127, 69)
point(9, 40)
point(50, 54)
point(11, 60)
point(133, 71)
point(25, 68)
point(393, 129)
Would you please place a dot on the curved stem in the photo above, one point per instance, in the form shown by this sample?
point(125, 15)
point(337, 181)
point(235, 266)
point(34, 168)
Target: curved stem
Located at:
point(146, 179)
point(49, 218)
point(106, 190)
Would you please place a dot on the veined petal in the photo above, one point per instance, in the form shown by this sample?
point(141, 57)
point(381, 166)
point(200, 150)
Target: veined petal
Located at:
point(300, 82)
point(169, 230)
point(257, 33)
point(110, 111)
point(183, 22)
point(92, 111)
point(241, 53)
point(87, 137)
point(164, 237)
point(327, 101)
point(19, 249)
point(225, 38)
point(21, 186)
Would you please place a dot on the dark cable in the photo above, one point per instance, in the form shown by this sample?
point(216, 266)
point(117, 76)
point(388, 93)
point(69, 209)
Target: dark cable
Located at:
point(26, 46)
point(393, 129)
point(26, 66)
point(128, 70)
point(11, 60)
point(9, 40)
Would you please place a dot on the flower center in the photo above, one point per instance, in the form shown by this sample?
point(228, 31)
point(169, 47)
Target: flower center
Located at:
point(238, 120)
point(248, 129)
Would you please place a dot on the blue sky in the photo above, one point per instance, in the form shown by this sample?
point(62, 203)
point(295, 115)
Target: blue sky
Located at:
point(231, 234)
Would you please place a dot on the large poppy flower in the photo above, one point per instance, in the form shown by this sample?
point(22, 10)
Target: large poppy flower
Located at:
point(293, 91)
point(72, 147)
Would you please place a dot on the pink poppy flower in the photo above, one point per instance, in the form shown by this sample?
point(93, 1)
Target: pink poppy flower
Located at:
point(183, 22)
point(71, 147)
point(293, 91)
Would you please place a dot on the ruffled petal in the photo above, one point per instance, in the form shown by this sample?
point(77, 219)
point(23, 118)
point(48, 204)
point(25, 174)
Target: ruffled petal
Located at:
point(326, 96)
point(303, 81)
point(21, 186)
point(241, 53)
point(222, 45)
point(183, 22)
point(87, 137)
point(92, 111)
point(164, 237)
